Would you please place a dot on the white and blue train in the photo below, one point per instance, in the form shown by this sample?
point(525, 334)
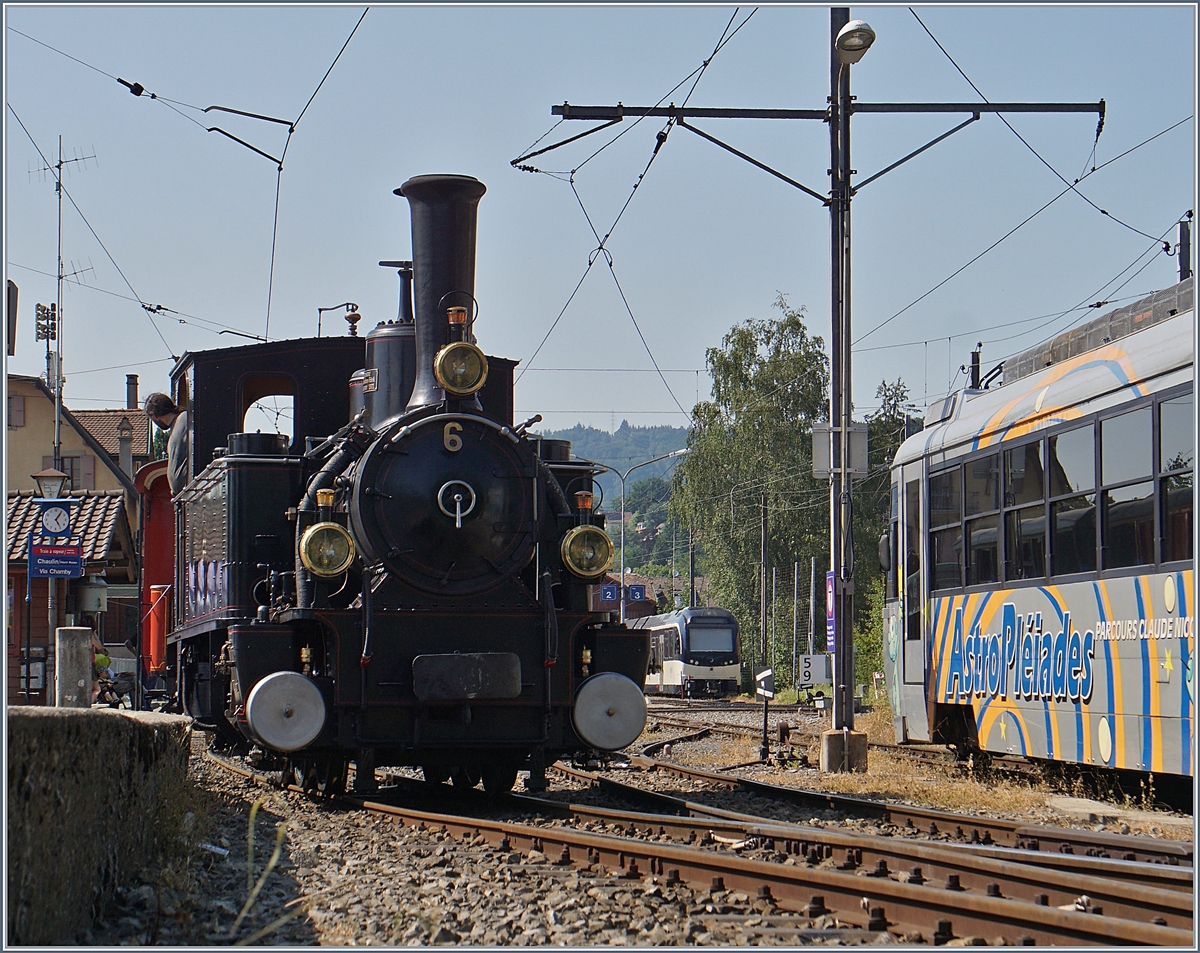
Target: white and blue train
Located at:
point(1041, 581)
point(694, 653)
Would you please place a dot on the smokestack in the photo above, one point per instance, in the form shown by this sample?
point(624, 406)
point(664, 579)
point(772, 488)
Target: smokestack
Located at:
point(444, 214)
point(131, 392)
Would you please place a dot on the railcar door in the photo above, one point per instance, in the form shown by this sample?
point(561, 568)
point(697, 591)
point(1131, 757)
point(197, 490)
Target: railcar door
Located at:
point(912, 690)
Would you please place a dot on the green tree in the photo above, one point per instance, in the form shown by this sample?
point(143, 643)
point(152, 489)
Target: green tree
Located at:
point(770, 379)
point(770, 383)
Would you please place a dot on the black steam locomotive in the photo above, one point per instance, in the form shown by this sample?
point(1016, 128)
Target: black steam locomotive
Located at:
point(410, 580)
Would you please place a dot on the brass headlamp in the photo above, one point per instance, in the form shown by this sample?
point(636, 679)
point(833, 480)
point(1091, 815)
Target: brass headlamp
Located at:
point(326, 549)
point(587, 551)
point(461, 368)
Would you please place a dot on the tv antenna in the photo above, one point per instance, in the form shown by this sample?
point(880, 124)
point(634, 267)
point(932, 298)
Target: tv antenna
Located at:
point(57, 170)
point(78, 273)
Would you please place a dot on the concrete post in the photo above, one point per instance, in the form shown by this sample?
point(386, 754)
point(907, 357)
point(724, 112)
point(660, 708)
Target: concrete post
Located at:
point(73, 667)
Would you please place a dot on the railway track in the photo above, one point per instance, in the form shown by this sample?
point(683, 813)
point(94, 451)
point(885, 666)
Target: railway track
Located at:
point(1119, 888)
point(755, 886)
point(966, 827)
point(1004, 763)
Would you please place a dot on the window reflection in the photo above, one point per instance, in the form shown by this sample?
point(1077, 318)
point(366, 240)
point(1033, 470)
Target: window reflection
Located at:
point(1177, 517)
point(1177, 447)
point(983, 485)
point(945, 555)
point(1074, 535)
point(1125, 452)
point(1072, 461)
point(1025, 542)
point(983, 562)
point(1023, 474)
point(1129, 525)
point(945, 497)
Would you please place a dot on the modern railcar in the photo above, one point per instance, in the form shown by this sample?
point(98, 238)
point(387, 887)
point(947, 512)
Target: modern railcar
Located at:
point(694, 653)
point(408, 579)
point(1041, 581)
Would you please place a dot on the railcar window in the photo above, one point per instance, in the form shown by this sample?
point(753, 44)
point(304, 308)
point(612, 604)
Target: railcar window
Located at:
point(1072, 463)
point(945, 497)
point(1023, 474)
point(1177, 448)
point(912, 560)
point(1125, 446)
point(983, 485)
point(1177, 517)
point(711, 638)
point(1074, 539)
point(1177, 458)
point(1025, 542)
point(945, 546)
point(1128, 527)
point(945, 557)
point(983, 556)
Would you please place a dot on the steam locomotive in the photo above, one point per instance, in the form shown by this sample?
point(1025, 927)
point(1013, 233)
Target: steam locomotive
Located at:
point(410, 580)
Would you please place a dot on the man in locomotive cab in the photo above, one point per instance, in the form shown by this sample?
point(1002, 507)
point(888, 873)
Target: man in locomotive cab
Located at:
point(166, 415)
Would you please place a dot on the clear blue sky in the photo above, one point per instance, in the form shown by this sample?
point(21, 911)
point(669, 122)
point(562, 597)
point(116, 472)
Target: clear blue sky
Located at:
point(707, 241)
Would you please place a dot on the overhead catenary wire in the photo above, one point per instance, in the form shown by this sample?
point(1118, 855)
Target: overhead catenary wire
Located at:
point(180, 318)
point(279, 171)
point(137, 89)
point(1071, 186)
point(1151, 251)
point(1006, 235)
point(74, 204)
point(602, 248)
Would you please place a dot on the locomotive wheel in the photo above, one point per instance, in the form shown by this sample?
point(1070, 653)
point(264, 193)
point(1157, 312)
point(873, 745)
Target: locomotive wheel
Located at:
point(498, 779)
point(464, 778)
point(330, 776)
point(435, 774)
point(301, 772)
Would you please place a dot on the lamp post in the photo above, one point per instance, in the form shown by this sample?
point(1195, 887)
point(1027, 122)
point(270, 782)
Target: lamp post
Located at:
point(623, 476)
point(850, 41)
point(50, 483)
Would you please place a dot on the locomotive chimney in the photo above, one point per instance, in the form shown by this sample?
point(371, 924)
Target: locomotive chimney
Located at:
point(444, 210)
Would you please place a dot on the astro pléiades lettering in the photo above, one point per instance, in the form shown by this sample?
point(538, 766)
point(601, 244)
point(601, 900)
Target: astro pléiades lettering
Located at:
point(1022, 660)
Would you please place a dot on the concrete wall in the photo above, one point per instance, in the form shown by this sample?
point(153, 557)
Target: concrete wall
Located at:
point(93, 795)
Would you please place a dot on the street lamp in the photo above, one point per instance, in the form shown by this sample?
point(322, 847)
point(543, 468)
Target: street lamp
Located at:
point(622, 476)
point(50, 483)
point(853, 40)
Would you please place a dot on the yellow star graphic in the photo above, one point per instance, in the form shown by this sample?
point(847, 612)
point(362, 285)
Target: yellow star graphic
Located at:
point(1168, 664)
point(1003, 725)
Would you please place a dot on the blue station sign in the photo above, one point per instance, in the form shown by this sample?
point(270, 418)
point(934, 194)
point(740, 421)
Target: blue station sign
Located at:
point(56, 559)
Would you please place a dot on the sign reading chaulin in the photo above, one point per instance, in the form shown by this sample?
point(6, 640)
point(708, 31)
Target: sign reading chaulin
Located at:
point(56, 559)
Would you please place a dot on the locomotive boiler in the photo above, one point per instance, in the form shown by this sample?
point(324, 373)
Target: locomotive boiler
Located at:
point(410, 580)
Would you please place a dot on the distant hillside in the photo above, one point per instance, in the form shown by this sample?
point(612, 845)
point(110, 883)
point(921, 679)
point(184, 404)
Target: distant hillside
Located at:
point(621, 450)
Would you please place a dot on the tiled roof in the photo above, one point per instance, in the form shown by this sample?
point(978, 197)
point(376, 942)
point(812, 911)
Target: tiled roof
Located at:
point(102, 424)
point(99, 519)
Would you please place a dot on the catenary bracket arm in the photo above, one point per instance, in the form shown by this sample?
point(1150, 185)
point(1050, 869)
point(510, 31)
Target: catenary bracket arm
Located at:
point(754, 162)
point(913, 155)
